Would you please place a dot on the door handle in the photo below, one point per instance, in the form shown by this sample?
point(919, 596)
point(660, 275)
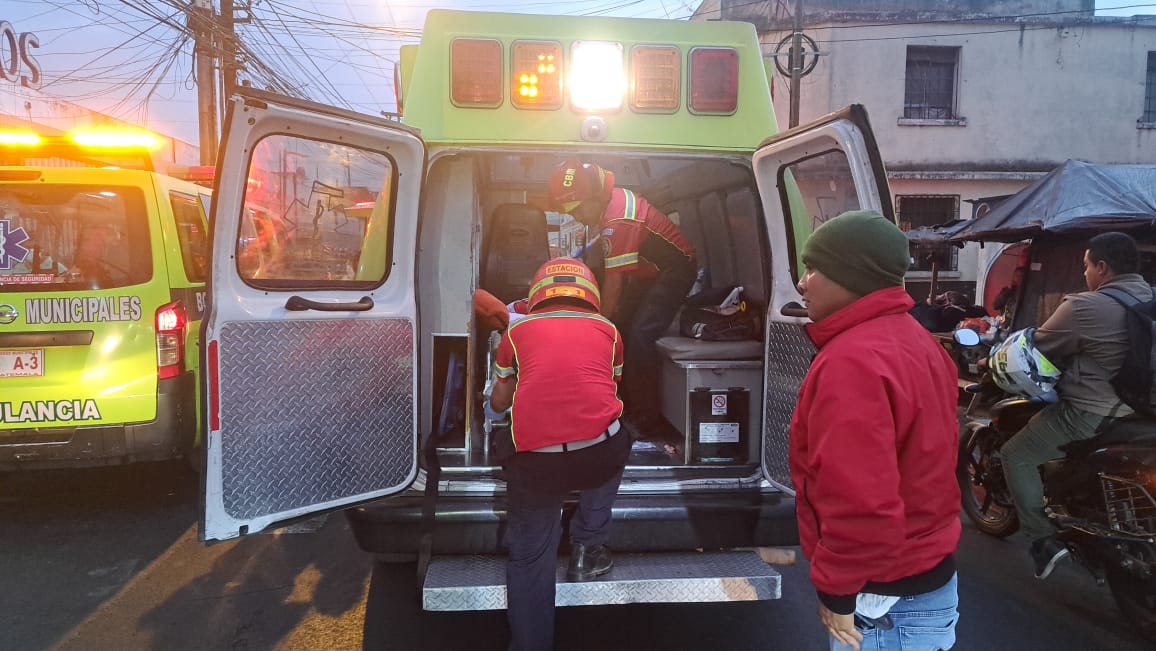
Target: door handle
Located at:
point(793, 309)
point(298, 304)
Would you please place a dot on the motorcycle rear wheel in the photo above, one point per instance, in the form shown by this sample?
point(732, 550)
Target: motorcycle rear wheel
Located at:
point(982, 488)
point(1136, 598)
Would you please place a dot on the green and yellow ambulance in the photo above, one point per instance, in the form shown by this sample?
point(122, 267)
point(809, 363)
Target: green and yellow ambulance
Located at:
point(349, 375)
point(103, 265)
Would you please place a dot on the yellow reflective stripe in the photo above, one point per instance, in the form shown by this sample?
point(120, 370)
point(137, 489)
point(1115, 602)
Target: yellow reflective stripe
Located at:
point(504, 371)
point(630, 211)
point(621, 260)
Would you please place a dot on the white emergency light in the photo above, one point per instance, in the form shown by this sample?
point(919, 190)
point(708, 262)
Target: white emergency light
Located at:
point(597, 76)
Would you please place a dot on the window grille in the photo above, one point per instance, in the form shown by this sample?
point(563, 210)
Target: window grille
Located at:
point(929, 91)
point(1150, 90)
point(929, 210)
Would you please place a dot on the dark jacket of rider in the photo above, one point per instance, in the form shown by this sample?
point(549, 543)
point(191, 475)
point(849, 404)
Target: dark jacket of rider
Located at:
point(1086, 337)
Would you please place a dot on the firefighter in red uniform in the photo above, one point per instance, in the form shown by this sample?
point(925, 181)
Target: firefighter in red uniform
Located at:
point(558, 369)
point(642, 247)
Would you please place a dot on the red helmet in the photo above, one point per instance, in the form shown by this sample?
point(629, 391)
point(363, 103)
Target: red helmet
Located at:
point(574, 182)
point(564, 278)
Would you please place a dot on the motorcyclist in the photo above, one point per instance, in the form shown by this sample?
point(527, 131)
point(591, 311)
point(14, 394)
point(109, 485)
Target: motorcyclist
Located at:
point(1086, 337)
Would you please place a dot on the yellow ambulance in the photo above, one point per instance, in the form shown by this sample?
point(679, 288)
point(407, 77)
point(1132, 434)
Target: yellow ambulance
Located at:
point(103, 265)
point(349, 376)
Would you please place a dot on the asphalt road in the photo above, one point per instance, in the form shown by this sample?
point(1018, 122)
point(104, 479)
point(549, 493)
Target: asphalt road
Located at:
point(108, 559)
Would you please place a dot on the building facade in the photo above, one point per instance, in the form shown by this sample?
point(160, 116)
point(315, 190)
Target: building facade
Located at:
point(969, 101)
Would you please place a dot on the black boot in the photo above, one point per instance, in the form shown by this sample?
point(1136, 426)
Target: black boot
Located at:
point(588, 562)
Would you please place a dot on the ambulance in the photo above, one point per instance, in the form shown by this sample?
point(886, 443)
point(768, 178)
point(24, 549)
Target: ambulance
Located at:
point(350, 375)
point(103, 263)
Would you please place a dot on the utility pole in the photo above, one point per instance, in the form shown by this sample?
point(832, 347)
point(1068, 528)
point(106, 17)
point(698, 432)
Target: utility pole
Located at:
point(201, 20)
point(228, 50)
point(796, 60)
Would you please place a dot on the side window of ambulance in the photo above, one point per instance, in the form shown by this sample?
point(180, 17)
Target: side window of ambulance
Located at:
point(315, 214)
point(191, 235)
point(815, 189)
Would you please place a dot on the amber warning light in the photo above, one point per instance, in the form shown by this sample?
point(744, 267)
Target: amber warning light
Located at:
point(536, 75)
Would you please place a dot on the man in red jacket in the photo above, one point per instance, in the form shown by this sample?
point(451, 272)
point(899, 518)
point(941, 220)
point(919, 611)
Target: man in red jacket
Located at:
point(873, 445)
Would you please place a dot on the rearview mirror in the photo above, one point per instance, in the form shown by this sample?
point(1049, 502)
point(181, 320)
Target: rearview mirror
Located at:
point(966, 337)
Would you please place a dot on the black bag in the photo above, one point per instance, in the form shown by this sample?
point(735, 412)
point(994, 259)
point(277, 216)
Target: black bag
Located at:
point(1133, 383)
point(702, 319)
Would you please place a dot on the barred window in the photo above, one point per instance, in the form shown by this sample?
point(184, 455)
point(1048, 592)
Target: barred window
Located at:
point(929, 91)
point(1150, 90)
point(916, 210)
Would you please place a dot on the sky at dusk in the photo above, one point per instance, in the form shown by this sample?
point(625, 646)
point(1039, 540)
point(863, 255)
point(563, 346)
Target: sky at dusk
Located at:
point(132, 59)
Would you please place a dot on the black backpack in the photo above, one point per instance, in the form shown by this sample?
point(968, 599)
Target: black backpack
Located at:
point(1133, 383)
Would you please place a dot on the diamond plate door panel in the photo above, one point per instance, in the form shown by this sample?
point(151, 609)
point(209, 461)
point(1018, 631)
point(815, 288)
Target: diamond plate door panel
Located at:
point(461, 583)
point(789, 354)
point(313, 411)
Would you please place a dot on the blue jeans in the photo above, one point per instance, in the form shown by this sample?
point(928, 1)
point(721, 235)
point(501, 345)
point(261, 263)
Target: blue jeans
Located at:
point(925, 622)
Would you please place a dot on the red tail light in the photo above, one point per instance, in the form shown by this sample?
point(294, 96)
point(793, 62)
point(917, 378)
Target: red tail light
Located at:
point(714, 80)
point(476, 72)
point(171, 323)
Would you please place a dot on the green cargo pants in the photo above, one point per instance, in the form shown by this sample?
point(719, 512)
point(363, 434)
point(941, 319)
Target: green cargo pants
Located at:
point(1039, 442)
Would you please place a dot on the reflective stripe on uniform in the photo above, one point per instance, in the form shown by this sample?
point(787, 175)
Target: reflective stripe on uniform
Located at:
point(621, 260)
point(630, 211)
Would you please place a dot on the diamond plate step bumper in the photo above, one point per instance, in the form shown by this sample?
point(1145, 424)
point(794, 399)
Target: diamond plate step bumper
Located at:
point(458, 583)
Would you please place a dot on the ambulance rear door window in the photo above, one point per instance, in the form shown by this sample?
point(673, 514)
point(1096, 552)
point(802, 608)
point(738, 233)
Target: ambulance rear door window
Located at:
point(822, 188)
point(316, 214)
point(73, 237)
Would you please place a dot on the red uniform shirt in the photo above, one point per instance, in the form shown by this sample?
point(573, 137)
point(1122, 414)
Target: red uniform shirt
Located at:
point(639, 240)
point(567, 362)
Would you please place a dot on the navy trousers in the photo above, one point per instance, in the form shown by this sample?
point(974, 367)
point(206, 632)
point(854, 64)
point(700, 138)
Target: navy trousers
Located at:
point(656, 308)
point(536, 484)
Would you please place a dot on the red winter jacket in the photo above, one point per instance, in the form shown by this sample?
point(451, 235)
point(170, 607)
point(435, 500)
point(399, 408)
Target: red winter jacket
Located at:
point(874, 440)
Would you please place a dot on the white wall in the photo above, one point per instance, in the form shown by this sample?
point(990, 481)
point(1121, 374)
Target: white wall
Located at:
point(1031, 99)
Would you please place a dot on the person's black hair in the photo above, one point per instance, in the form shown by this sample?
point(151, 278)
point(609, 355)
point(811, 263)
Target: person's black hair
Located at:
point(1118, 250)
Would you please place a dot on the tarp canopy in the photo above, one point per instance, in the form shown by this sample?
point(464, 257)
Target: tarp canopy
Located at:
point(935, 235)
point(1074, 197)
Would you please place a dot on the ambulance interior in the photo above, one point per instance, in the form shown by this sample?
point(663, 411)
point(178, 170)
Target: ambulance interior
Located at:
point(483, 226)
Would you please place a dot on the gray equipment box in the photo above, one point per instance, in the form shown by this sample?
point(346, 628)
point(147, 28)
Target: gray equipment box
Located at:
point(681, 377)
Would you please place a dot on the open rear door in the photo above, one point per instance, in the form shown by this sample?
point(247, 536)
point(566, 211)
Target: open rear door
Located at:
point(806, 176)
point(309, 341)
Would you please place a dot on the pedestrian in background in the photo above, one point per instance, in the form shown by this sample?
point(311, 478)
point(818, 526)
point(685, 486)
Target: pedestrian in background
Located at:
point(873, 445)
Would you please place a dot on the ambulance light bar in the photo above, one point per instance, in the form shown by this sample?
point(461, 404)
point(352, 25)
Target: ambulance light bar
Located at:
point(22, 138)
point(656, 72)
point(597, 76)
point(476, 72)
point(116, 139)
point(714, 80)
point(536, 75)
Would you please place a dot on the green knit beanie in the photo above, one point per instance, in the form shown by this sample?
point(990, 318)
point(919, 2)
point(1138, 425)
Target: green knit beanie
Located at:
point(860, 250)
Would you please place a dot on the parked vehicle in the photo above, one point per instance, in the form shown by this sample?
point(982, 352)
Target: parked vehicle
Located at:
point(102, 277)
point(350, 369)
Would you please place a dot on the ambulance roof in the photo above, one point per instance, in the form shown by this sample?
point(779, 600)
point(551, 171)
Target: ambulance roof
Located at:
point(428, 104)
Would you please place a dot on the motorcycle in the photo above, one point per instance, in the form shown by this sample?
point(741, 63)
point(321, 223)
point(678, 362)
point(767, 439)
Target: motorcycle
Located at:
point(1099, 496)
